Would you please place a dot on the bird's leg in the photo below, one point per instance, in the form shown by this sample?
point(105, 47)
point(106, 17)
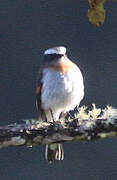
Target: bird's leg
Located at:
point(70, 115)
point(43, 116)
point(52, 115)
point(62, 115)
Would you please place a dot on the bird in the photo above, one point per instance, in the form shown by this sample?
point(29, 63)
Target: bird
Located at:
point(59, 89)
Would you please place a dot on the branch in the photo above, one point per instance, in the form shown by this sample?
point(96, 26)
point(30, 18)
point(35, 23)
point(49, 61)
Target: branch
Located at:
point(86, 125)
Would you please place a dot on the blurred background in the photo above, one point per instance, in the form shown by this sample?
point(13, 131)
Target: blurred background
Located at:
point(27, 28)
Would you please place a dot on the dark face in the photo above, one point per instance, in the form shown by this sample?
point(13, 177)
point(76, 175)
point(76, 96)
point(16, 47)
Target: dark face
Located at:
point(52, 57)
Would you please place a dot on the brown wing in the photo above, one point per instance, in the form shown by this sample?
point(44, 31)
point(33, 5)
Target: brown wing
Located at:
point(39, 84)
point(38, 96)
point(39, 88)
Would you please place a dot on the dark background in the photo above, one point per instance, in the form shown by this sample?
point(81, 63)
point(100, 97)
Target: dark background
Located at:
point(27, 28)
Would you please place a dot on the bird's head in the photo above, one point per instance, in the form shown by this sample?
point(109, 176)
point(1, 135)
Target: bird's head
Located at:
point(60, 50)
point(54, 54)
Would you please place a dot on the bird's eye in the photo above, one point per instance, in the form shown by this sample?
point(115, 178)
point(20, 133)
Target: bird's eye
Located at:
point(52, 56)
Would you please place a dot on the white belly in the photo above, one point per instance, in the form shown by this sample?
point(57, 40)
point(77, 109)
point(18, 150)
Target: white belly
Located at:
point(62, 92)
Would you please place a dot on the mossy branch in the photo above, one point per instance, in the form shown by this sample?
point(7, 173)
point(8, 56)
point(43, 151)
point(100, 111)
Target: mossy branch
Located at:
point(86, 125)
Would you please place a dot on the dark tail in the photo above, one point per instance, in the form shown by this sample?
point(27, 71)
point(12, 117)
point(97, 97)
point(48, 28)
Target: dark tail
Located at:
point(54, 152)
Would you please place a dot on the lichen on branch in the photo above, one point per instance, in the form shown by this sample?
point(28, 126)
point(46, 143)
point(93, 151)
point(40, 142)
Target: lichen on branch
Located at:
point(85, 124)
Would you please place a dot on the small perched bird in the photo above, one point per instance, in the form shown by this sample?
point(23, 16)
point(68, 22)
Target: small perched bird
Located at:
point(60, 88)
